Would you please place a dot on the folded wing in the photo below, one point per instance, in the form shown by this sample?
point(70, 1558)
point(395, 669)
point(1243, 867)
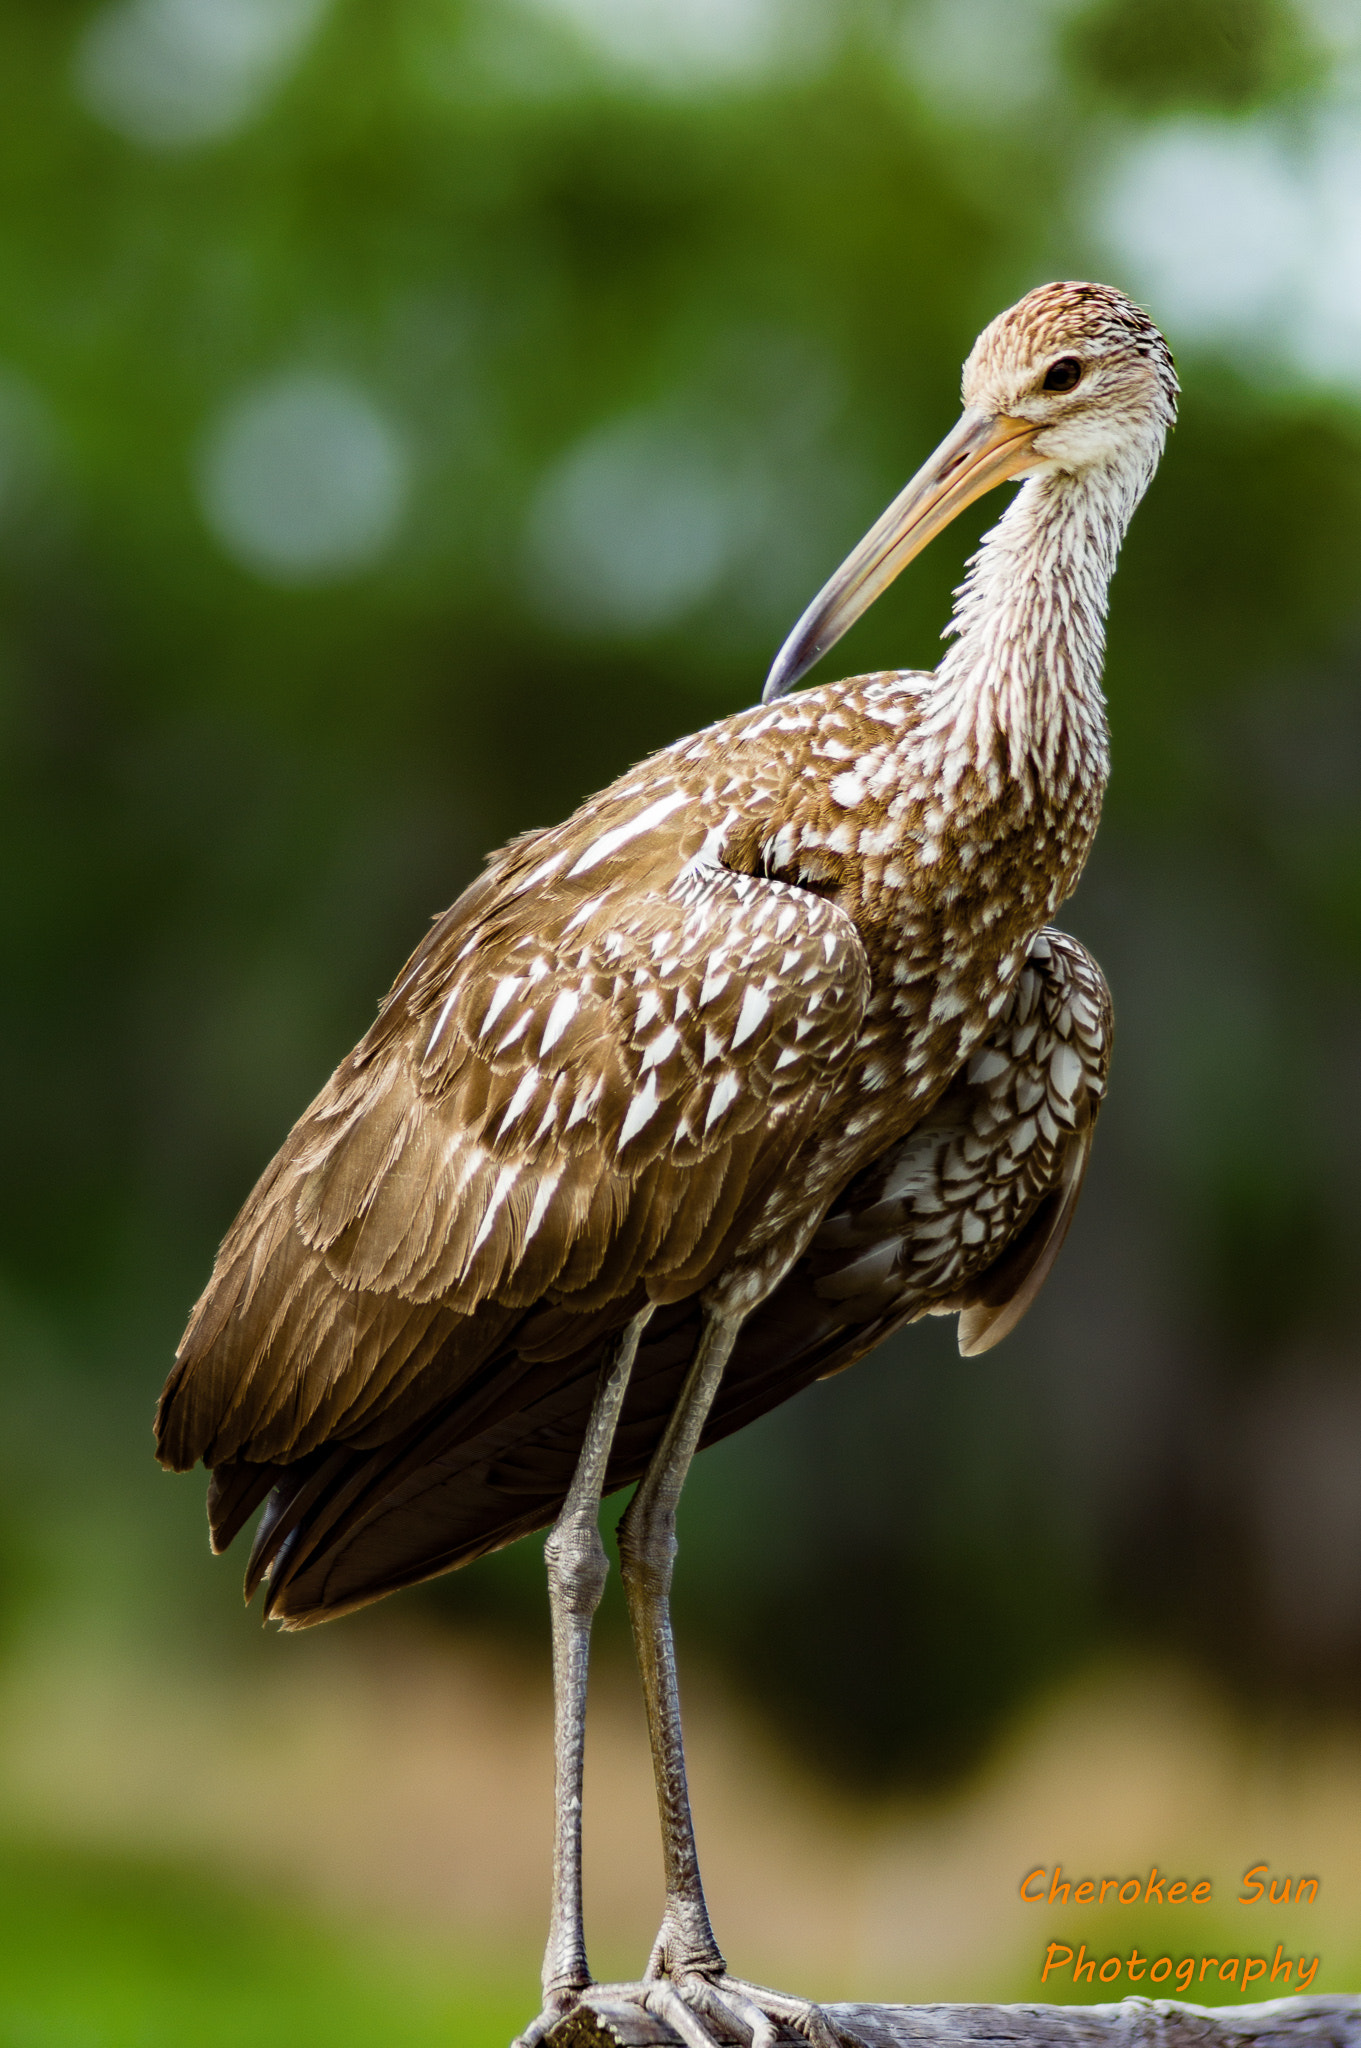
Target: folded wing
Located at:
point(574, 1093)
point(965, 1214)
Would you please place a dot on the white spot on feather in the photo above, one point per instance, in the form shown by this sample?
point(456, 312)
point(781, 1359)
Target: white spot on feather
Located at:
point(440, 1022)
point(520, 1100)
point(609, 842)
point(1065, 1071)
point(559, 1017)
point(755, 1006)
point(1029, 1089)
point(548, 1187)
point(724, 1096)
point(946, 1003)
point(541, 873)
point(783, 850)
point(550, 1115)
point(587, 1095)
point(505, 989)
point(661, 1048)
point(642, 1108)
point(516, 1032)
point(505, 1181)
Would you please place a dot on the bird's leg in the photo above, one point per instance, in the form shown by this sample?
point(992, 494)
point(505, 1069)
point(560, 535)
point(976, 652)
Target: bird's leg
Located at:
point(577, 1570)
point(687, 1982)
point(647, 1551)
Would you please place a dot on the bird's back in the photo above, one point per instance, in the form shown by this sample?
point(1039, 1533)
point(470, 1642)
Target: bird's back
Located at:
point(636, 1059)
point(587, 1081)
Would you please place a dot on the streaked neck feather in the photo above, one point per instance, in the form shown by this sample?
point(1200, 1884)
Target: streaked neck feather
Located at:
point(1018, 695)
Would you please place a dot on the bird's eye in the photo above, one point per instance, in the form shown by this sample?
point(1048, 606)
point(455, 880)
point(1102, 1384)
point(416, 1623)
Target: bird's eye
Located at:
point(1062, 375)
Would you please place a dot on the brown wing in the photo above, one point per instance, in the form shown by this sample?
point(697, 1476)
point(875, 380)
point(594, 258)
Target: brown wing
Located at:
point(577, 1091)
point(970, 1211)
point(966, 1213)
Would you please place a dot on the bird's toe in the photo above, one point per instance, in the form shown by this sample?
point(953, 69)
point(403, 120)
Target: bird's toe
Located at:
point(692, 2009)
point(783, 2016)
point(556, 2008)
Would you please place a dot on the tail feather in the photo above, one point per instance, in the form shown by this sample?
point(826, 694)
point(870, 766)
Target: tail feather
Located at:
point(234, 1493)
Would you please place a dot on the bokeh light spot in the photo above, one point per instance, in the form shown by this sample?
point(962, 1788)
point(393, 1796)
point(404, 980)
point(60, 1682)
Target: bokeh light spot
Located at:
point(170, 73)
point(1248, 234)
point(984, 57)
point(682, 43)
point(302, 479)
point(634, 527)
point(1213, 217)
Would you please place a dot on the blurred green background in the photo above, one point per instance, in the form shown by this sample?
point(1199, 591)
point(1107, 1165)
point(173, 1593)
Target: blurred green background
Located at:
point(411, 413)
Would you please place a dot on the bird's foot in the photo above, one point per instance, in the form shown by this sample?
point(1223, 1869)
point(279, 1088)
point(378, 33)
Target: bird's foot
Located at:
point(689, 2008)
point(556, 2007)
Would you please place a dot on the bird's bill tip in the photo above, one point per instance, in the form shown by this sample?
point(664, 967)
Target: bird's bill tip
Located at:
point(981, 451)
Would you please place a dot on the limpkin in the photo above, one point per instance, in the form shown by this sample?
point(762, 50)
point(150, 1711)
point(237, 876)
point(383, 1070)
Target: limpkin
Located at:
point(691, 1100)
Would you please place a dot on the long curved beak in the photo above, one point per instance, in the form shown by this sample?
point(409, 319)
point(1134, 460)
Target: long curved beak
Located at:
point(980, 452)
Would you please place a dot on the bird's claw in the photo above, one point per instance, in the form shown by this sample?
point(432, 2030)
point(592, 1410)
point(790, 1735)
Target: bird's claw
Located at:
point(556, 2007)
point(697, 2008)
point(777, 2009)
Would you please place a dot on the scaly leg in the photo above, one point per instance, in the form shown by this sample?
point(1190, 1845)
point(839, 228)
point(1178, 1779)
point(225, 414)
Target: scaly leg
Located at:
point(577, 1570)
point(688, 1984)
point(647, 1554)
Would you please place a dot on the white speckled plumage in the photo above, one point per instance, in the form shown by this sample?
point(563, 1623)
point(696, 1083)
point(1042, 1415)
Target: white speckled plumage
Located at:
point(690, 1100)
point(641, 1055)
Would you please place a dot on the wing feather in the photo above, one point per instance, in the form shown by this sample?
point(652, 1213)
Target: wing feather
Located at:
point(569, 1095)
point(896, 1245)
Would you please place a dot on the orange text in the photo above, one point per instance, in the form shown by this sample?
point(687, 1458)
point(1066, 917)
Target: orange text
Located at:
point(1040, 1887)
point(1059, 1958)
point(1260, 1888)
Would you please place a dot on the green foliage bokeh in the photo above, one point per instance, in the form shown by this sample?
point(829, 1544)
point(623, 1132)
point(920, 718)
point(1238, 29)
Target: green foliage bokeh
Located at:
point(231, 798)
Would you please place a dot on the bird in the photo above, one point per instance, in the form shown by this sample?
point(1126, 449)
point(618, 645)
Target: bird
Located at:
point(768, 1050)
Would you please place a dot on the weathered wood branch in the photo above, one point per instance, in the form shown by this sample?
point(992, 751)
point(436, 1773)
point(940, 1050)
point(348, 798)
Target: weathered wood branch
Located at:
point(601, 2022)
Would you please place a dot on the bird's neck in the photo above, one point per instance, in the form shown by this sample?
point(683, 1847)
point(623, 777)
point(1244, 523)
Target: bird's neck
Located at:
point(1018, 699)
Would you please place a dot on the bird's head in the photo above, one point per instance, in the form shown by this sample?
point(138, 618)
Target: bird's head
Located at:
point(1071, 379)
point(1080, 372)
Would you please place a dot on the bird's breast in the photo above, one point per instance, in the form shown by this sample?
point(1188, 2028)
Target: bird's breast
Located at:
point(838, 791)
